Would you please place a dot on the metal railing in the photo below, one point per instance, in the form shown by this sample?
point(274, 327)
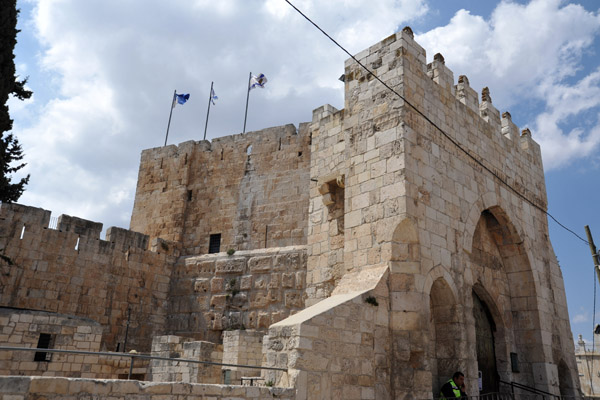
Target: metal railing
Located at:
point(133, 356)
point(533, 393)
point(518, 396)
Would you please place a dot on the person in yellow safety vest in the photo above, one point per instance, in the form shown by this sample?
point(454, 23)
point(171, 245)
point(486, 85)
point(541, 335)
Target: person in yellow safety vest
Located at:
point(454, 388)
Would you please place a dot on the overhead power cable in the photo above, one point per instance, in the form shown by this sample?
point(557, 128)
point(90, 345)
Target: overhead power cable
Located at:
point(447, 136)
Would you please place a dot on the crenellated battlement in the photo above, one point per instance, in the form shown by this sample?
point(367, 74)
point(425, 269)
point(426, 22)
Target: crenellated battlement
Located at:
point(31, 223)
point(400, 62)
point(71, 270)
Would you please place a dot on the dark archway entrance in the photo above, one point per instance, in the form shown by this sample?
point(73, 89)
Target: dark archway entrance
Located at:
point(444, 331)
point(486, 352)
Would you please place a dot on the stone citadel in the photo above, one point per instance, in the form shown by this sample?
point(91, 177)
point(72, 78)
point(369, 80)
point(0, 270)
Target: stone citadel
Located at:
point(367, 254)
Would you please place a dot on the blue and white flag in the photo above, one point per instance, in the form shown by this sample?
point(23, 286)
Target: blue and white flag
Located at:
point(258, 81)
point(180, 98)
point(213, 96)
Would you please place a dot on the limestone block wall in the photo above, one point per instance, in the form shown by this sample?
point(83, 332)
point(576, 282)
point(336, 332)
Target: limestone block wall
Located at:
point(177, 347)
point(74, 272)
point(453, 198)
point(340, 347)
point(440, 187)
point(22, 328)
point(51, 388)
point(243, 347)
point(588, 364)
point(325, 241)
point(252, 189)
point(249, 289)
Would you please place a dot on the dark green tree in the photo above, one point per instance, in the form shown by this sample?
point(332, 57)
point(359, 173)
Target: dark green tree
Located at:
point(10, 149)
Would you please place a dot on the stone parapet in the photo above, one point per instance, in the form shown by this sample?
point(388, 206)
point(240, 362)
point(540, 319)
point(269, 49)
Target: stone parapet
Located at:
point(25, 387)
point(178, 347)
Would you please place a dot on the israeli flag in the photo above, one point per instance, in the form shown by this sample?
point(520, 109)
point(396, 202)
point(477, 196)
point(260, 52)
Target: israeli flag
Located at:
point(213, 96)
point(258, 81)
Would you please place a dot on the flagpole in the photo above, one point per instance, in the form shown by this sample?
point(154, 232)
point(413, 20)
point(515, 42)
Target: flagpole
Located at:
point(170, 114)
point(247, 97)
point(208, 112)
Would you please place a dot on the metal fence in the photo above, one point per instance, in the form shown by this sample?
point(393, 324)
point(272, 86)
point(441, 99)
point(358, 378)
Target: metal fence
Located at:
point(518, 396)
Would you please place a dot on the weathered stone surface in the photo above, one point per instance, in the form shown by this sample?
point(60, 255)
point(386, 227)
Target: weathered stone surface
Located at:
point(410, 240)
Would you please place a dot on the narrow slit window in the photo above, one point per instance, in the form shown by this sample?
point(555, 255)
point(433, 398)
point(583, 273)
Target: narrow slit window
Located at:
point(214, 244)
point(43, 343)
point(22, 232)
point(77, 244)
point(189, 195)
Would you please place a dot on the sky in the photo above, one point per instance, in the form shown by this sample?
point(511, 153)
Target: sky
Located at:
point(103, 73)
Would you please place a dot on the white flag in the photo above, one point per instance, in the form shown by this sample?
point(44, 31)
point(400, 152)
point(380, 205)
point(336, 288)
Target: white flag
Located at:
point(258, 81)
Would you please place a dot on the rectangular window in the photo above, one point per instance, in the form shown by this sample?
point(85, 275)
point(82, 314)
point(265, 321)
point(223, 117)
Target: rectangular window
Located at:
point(214, 245)
point(514, 362)
point(43, 343)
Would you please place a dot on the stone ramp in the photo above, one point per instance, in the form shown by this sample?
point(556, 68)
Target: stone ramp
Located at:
point(338, 347)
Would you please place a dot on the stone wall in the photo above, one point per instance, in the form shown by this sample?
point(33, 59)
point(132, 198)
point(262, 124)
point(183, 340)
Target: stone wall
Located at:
point(242, 347)
point(22, 328)
point(246, 290)
point(174, 371)
point(340, 347)
point(71, 271)
point(50, 388)
point(440, 187)
point(252, 189)
point(588, 364)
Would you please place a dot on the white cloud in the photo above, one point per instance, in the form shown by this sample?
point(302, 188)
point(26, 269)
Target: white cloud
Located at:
point(579, 318)
point(115, 72)
point(530, 52)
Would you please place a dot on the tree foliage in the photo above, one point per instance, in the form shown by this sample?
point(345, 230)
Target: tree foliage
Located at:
point(10, 149)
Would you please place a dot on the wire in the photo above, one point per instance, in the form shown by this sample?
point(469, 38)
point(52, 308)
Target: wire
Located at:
point(447, 136)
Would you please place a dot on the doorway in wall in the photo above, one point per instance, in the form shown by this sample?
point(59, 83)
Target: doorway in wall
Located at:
point(486, 354)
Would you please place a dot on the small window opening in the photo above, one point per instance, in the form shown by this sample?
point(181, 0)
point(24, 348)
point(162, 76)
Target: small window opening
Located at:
point(299, 154)
point(221, 154)
point(185, 159)
point(43, 343)
point(77, 244)
point(514, 362)
point(189, 195)
point(249, 150)
point(22, 232)
point(279, 144)
point(226, 377)
point(214, 245)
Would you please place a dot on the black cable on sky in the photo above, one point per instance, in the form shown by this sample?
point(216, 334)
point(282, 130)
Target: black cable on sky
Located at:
point(447, 136)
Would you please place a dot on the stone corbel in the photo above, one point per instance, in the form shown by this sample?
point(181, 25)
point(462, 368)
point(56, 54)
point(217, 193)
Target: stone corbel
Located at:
point(327, 185)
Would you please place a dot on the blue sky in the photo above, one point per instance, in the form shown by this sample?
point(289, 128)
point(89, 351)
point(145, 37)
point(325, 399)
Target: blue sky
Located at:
point(103, 73)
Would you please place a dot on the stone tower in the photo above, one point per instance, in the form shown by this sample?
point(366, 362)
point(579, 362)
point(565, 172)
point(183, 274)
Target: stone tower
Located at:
point(429, 203)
